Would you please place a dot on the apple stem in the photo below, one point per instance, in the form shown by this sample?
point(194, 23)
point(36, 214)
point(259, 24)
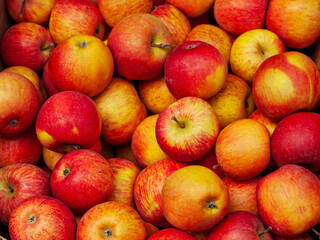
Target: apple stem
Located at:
point(161, 45)
point(265, 231)
point(176, 120)
point(14, 123)
point(22, 7)
point(215, 166)
point(47, 47)
point(316, 232)
point(2, 238)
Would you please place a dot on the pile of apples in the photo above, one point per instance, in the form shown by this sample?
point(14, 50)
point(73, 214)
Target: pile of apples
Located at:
point(160, 119)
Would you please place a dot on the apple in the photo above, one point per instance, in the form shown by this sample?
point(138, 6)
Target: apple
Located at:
point(124, 151)
point(47, 83)
point(296, 140)
point(19, 104)
point(192, 8)
point(74, 17)
point(23, 148)
point(187, 129)
point(111, 220)
point(195, 68)
point(243, 149)
point(288, 200)
point(113, 11)
point(176, 22)
point(140, 44)
point(239, 16)
point(286, 83)
point(148, 187)
point(68, 120)
point(37, 11)
point(144, 145)
point(150, 229)
point(194, 198)
point(125, 174)
point(171, 234)
point(233, 102)
point(268, 123)
point(69, 72)
point(83, 175)
point(18, 182)
point(42, 217)
point(240, 225)
point(155, 94)
point(121, 111)
point(250, 49)
point(26, 44)
point(214, 35)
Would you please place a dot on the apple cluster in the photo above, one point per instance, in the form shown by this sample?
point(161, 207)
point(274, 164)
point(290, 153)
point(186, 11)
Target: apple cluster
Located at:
point(160, 119)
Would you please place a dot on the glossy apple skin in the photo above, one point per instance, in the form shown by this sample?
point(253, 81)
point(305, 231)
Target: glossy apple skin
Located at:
point(113, 11)
point(286, 83)
point(194, 198)
point(275, 192)
point(26, 44)
point(250, 49)
point(171, 234)
point(19, 104)
point(240, 225)
point(102, 218)
point(268, 123)
point(198, 134)
point(296, 141)
point(195, 68)
point(47, 83)
point(42, 217)
point(192, 8)
point(148, 187)
point(68, 120)
point(139, 59)
point(237, 17)
point(73, 17)
point(82, 179)
point(18, 182)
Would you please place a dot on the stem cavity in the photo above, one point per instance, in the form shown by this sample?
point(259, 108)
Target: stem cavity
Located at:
point(265, 231)
point(161, 45)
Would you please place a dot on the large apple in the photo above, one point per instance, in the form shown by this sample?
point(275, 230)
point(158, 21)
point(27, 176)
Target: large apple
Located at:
point(26, 44)
point(82, 179)
point(18, 182)
point(171, 234)
point(195, 68)
point(187, 129)
point(140, 44)
point(68, 120)
point(73, 17)
point(194, 198)
point(286, 83)
point(288, 200)
point(19, 104)
point(69, 72)
point(192, 8)
point(42, 217)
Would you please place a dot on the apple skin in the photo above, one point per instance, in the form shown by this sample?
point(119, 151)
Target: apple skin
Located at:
point(250, 49)
point(68, 120)
point(233, 102)
point(192, 8)
point(171, 234)
point(102, 218)
point(243, 149)
point(68, 72)
point(303, 236)
point(74, 17)
point(18, 182)
point(268, 123)
point(176, 22)
point(194, 198)
point(158, 2)
point(239, 16)
point(192, 134)
point(142, 58)
point(35, 11)
point(195, 68)
point(275, 192)
point(42, 217)
point(148, 187)
point(286, 83)
point(26, 44)
point(19, 104)
point(150, 228)
point(47, 83)
point(240, 225)
point(83, 175)
point(113, 11)
point(296, 140)
point(144, 144)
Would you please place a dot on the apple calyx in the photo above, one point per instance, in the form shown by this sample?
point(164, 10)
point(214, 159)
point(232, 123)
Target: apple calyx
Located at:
point(32, 219)
point(13, 123)
point(179, 123)
point(22, 7)
point(83, 44)
point(265, 231)
point(211, 205)
point(161, 45)
point(107, 232)
point(66, 172)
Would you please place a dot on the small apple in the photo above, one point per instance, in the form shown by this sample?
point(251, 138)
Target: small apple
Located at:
point(171, 234)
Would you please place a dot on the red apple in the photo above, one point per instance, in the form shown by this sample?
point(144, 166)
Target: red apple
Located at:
point(195, 68)
point(187, 129)
point(47, 83)
point(82, 179)
point(171, 234)
point(192, 8)
point(18, 182)
point(42, 217)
